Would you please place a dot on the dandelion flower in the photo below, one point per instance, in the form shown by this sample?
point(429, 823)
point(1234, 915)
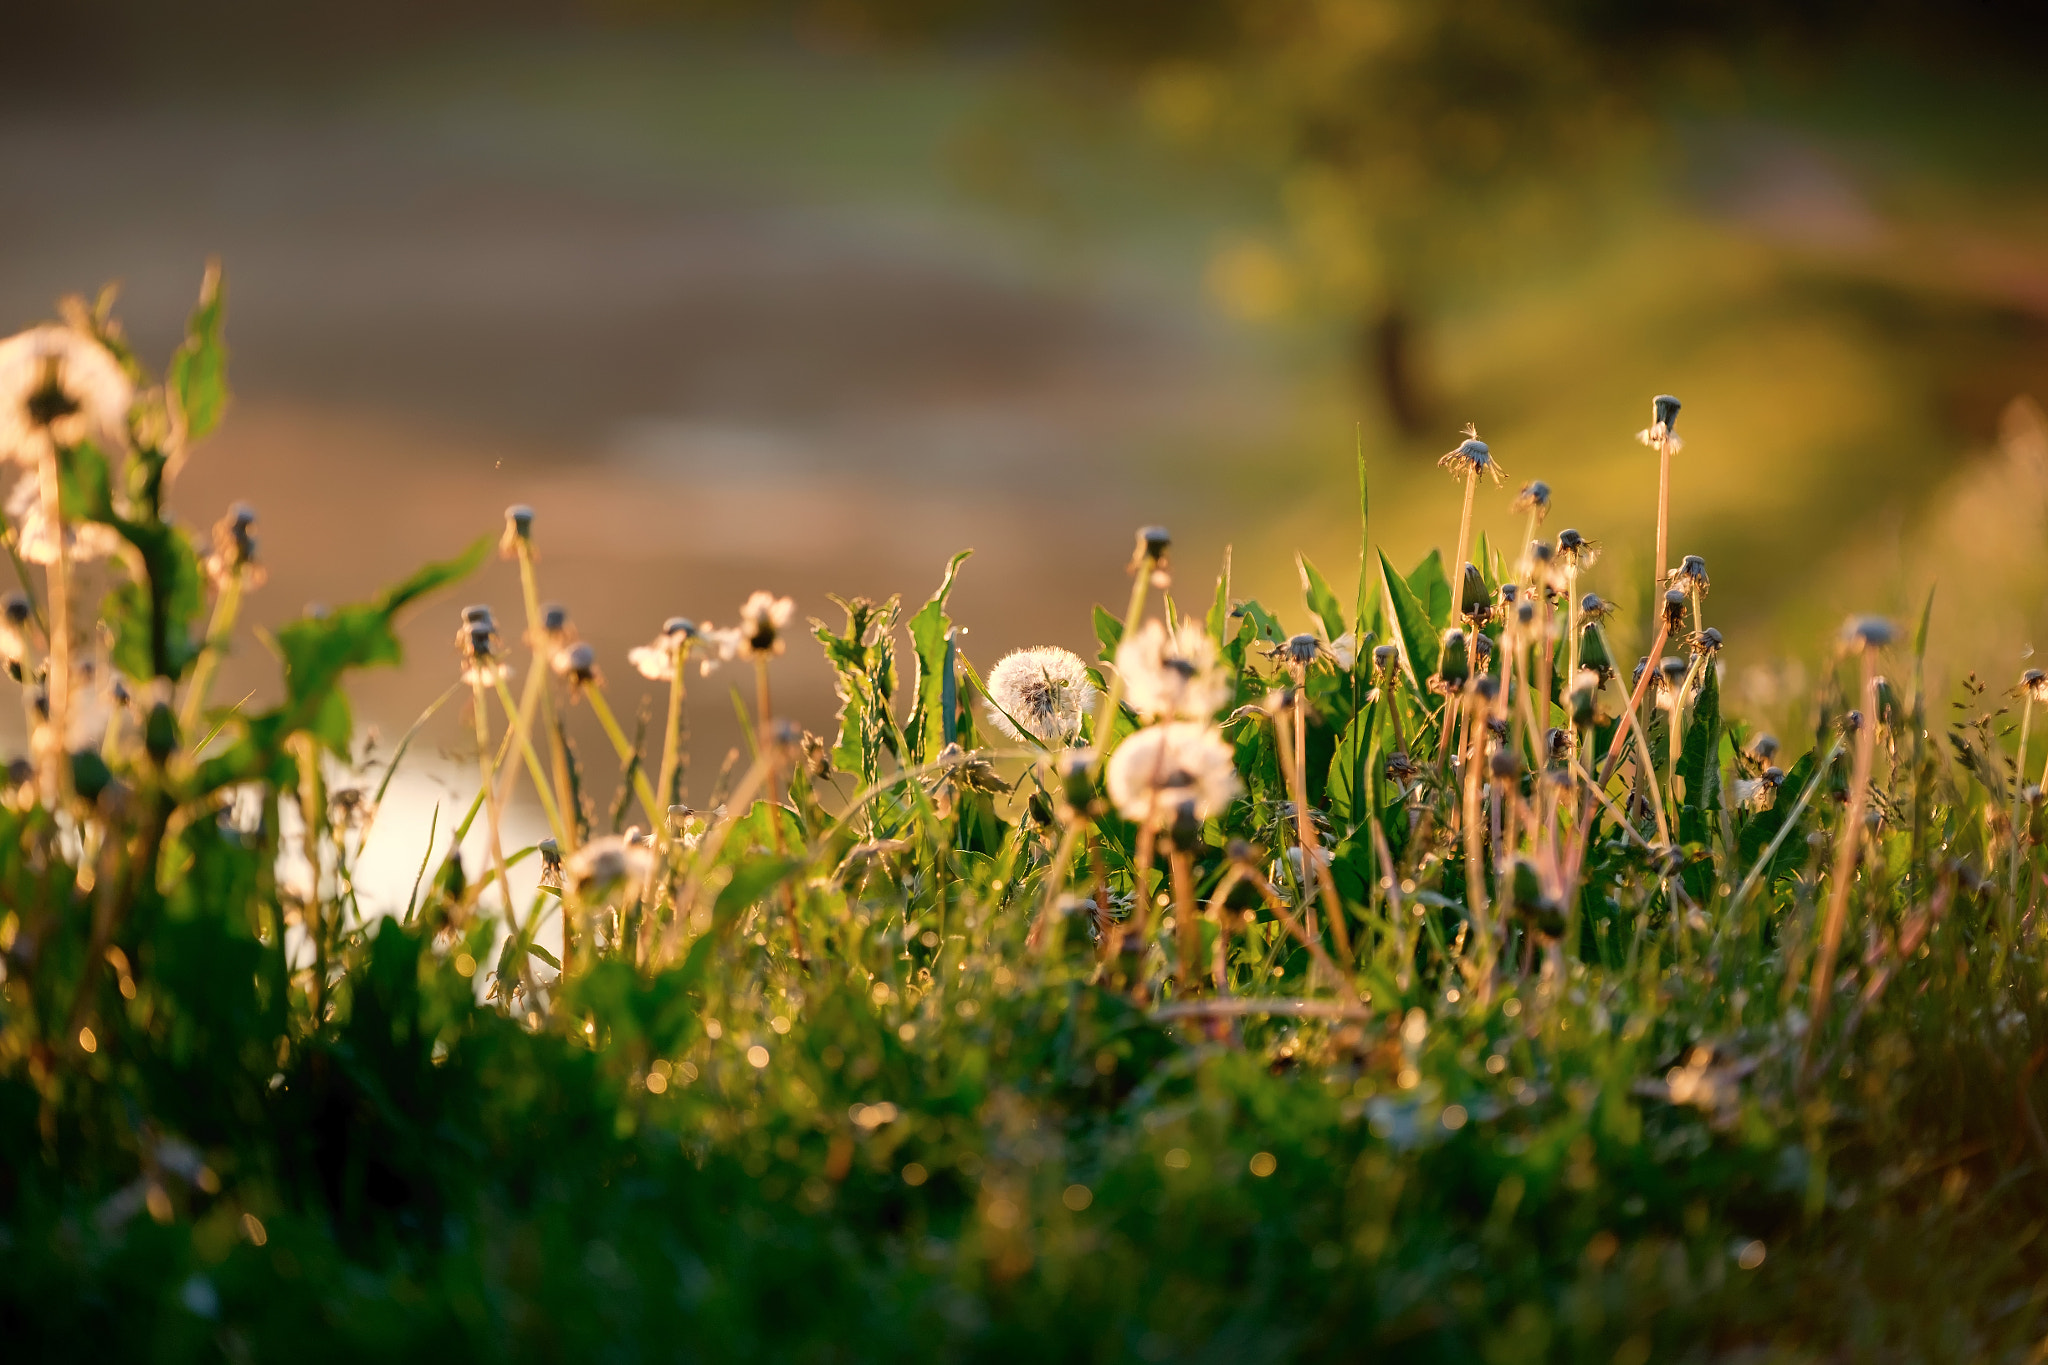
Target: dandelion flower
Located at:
point(1165, 770)
point(59, 386)
point(1040, 693)
point(1172, 677)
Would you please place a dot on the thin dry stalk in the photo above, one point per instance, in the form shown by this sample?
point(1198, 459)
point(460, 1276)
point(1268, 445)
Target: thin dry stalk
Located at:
point(1847, 850)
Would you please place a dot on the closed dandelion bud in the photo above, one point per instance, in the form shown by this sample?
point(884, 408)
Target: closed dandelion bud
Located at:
point(1454, 666)
point(160, 733)
point(1887, 704)
point(1593, 651)
point(1150, 554)
point(1674, 611)
point(1508, 593)
point(90, 774)
point(554, 623)
point(1474, 603)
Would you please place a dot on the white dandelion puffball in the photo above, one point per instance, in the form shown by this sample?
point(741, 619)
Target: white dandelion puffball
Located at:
point(762, 618)
point(1173, 677)
point(60, 385)
point(37, 534)
point(1160, 770)
point(1044, 690)
point(608, 868)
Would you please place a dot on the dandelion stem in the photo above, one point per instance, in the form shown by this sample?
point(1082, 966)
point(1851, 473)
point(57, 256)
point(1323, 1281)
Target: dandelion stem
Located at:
point(558, 752)
point(1457, 574)
point(487, 768)
point(57, 752)
point(226, 607)
point(1113, 690)
point(520, 720)
point(1041, 936)
point(1848, 848)
point(2019, 783)
point(1663, 514)
point(1187, 923)
point(627, 754)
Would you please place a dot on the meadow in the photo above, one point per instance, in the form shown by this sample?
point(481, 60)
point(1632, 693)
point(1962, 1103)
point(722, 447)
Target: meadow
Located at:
point(1405, 970)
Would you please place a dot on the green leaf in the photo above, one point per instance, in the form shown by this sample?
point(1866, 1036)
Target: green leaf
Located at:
point(933, 689)
point(1219, 610)
point(1432, 589)
point(1412, 630)
point(752, 880)
point(1109, 632)
point(1321, 599)
point(198, 380)
point(1698, 762)
point(1764, 826)
point(1364, 521)
point(155, 618)
point(1348, 799)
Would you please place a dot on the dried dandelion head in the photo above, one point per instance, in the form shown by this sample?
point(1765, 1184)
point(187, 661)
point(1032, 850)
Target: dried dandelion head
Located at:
point(2033, 685)
point(1574, 551)
point(234, 549)
point(1167, 773)
point(1689, 576)
point(1472, 457)
point(1663, 416)
point(577, 664)
point(1534, 498)
point(476, 640)
point(518, 531)
point(1041, 693)
point(1149, 556)
point(661, 660)
point(607, 870)
point(1173, 676)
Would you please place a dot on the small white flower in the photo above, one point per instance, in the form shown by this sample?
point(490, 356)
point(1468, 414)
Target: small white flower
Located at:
point(611, 868)
point(1044, 690)
point(59, 386)
point(1161, 770)
point(657, 662)
point(36, 538)
point(762, 617)
point(1172, 678)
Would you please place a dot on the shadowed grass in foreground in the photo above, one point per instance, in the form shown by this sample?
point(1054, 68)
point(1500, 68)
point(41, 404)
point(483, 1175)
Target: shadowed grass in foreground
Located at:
point(1423, 984)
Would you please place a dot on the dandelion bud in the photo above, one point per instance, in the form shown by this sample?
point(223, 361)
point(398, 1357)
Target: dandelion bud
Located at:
point(1455, 663)
point(1185, 827)
point(1594, 608)
point(1867, 632)
point(1301, 650)
point(1575, 550)
point(1664, 411)
point(1505, 765)
point(1887, 703)
point(1509, 592)
point(1593, 651)
point(1474, 603)
point(160, 733)
point(554, 619)
point(1075, 771)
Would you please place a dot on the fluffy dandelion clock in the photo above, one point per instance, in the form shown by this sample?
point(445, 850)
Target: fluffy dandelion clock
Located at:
point(1040, 693)
point(1164, 770)
point(608, 868)
point(1173, 677)
point(60, 387)
point(657, 662)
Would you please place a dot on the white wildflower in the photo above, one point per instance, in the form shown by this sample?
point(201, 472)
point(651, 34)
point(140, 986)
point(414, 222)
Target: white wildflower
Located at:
point(1041, 693)
point(1163, 769)
point(59, 386)
point(607, 869)
point(762, 618)
point(657, 662)
point(1172, 678)
point(36, 537)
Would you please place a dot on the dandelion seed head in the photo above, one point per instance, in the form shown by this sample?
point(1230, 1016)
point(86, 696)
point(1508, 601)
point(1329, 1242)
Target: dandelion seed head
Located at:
point(1867, 632)
point(762, 617)
point(1163, 770)
point(60, 387)
point(1534, 497)
point(1041, 693)
point(608, 869)
point(1174, 676)
point(1472, 457)
point(36, 532)
point(577, 663)
point(2034, 684)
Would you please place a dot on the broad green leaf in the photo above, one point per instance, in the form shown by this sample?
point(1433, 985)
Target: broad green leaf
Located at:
point(1698, 765)
point(1412, 629)
point(1346, 786)
point(198, 379)
point(1431, 589)
point(933, 688)
point(1763, 827)
point(1321, 599)
point(155, 618)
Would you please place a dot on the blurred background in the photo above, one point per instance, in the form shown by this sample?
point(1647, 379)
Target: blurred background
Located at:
point(806, 296)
